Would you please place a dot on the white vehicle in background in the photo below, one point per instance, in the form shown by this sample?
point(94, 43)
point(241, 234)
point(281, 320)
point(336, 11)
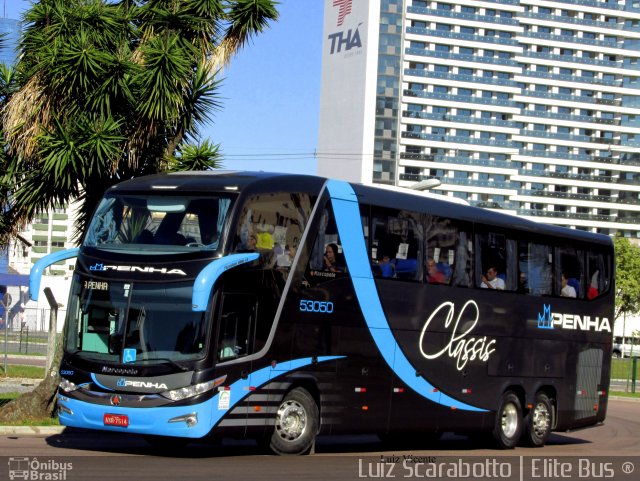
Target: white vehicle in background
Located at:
point(627, 346)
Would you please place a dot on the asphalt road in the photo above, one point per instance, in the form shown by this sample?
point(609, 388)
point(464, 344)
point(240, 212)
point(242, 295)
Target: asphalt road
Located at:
point(81, 455)
point(24, 360)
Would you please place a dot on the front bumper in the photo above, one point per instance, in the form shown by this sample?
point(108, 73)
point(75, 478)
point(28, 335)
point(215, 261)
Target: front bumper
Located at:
point(157, 421)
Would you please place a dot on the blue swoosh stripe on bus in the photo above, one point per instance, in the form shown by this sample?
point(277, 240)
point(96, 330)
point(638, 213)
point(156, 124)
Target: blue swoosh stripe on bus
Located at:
point(240, 389)
point(95, 380)
point(347, 215)
point(209, 275)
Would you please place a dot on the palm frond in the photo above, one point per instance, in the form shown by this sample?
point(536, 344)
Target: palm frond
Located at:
point(247, 18)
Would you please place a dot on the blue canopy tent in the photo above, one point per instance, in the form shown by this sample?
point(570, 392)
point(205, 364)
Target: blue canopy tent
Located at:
point(13, 280)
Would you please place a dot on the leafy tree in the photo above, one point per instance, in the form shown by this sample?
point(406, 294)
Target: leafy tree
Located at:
point(627, 277)
point(105, 91)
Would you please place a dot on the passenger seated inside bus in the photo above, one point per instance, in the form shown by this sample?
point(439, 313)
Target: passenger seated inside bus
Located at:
point(385, 267)
point(333, 259)
point(566, 290)
point(434, 275)
point(262, 243)
point(523, 288)
point(592, 293)
point(492, 281)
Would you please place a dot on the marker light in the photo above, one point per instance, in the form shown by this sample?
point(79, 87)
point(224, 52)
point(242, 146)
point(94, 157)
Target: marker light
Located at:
point(67, 386)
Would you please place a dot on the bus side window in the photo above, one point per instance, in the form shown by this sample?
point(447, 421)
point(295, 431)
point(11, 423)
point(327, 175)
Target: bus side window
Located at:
point(272, 224)
point(397, 244)
point(496, 257)
point(327, 255)
point(449, 253)
point(569, 272)
point(598, 274)
point(237, 324)
point(534, 266)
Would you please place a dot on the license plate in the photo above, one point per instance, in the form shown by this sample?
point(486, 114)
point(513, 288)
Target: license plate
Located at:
point(121, 420)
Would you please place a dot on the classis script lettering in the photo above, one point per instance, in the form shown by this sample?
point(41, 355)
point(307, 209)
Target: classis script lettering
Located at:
point(460, 344)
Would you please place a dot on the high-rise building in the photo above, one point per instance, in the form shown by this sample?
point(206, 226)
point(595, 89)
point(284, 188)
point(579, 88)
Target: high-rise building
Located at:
point(530, 106)
point(48, 232)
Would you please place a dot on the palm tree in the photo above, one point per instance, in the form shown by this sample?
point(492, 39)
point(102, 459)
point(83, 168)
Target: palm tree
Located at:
point(113, 90)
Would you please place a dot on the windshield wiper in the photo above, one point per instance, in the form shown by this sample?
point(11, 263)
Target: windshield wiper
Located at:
point(171, 362)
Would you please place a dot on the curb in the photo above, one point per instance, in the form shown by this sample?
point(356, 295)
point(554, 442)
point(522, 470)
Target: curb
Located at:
point(22, 430)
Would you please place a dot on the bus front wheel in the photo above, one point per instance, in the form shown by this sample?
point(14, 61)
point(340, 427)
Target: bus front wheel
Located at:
point(509, 423)
point(539, 421)
point(296, 423)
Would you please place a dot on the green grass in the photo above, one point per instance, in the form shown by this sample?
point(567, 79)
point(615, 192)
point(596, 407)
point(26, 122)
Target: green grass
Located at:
point(635, 395)
point(34, 422)
point(30, 372)
point(621, 368)
point(8, 396)
point(16, 353)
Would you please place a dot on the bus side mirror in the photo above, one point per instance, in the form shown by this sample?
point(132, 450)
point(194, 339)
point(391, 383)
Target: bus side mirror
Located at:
point(208, 276)
point(35, 276)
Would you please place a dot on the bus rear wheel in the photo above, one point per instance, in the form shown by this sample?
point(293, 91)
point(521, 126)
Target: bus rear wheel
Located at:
point(296, 423)
point(508, 425)
point(539, 421)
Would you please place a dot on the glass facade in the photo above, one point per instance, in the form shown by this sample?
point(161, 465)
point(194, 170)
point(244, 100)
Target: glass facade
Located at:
point(388, 92)
point(515, 105)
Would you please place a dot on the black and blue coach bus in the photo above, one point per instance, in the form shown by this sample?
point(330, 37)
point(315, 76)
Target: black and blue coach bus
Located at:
point(281, 307)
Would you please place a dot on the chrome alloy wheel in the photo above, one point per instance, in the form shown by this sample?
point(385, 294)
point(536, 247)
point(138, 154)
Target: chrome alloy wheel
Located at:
point(510, 420)
point(541, 419)
point(291, 420)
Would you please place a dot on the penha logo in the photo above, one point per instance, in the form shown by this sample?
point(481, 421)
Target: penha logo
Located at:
point(544, 318)
point(344, 7)
point(123, 382)
point(550, 320)
point(146, 270)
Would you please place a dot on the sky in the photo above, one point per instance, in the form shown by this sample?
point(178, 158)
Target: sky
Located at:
point(270, 93)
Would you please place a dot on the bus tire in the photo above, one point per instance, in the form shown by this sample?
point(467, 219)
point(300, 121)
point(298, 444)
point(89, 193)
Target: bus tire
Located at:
point(539, 421)
point(296, 423)
point(508, 425)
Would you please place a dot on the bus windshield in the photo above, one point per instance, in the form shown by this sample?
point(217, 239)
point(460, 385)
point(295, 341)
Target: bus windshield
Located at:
point(134, 322)
point(160, 223)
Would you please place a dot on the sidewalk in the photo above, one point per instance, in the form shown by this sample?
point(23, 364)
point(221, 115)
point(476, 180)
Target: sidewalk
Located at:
point(29, 430)
point(21, 385)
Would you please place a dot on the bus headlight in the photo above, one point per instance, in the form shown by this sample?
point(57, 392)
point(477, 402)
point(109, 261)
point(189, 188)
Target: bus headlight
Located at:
point(190, 391)
point(67, 386)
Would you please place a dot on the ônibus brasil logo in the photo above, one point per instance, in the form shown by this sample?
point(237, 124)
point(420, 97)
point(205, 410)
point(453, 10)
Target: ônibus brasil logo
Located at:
point(147, 269)
point(551, 320)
